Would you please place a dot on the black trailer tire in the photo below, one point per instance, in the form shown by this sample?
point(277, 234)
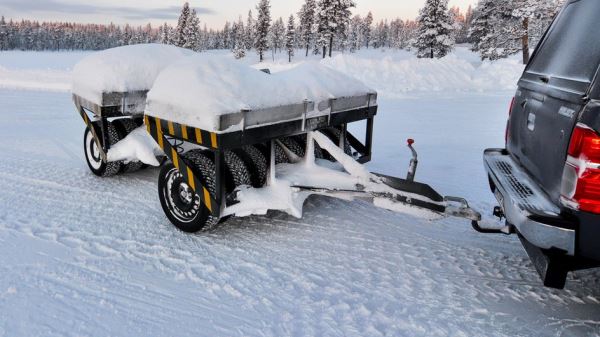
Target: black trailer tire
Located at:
point(302, 140)
point(257, 164)
point(236, 172)
point(92, 153)
point(335, 134)
point(182, 206)
point(293, 145)
point(124, 127)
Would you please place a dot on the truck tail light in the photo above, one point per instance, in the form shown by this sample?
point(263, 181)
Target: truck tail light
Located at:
point(507, 132)
point(580, 188)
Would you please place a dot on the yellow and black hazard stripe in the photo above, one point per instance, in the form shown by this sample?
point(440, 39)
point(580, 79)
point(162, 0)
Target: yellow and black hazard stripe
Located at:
point(183, 132)
point(90, 126)
point(158, 128)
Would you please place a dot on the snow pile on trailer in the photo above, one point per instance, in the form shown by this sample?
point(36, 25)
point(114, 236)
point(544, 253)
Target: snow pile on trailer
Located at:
point(198, 90)
point(123, 69)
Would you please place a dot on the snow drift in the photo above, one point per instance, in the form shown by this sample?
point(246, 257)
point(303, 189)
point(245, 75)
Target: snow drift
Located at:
point(394, 73)
point(122, 69)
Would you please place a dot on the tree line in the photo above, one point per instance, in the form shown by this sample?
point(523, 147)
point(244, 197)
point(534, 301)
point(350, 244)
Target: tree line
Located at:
point(494, 28)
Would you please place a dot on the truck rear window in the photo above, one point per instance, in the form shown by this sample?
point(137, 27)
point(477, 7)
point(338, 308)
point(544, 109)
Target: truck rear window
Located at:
point(571, 50)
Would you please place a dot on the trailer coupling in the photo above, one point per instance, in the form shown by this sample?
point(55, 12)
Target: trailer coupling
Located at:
point(395, 194)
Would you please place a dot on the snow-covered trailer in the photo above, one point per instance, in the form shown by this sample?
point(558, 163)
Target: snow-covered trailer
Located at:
point(240, 141)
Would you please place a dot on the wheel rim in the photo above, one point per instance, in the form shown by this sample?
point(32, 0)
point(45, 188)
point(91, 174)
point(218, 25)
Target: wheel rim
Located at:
point(92, 152)
point(181, 200)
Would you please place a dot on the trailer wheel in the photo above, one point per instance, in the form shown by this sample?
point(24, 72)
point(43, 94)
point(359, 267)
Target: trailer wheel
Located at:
point(293, 145)
point(335, 134)
point(92, 153)
point(302, 140)
point(256, 163)
point(182, 206)
point(236, 173)
point(124, 127)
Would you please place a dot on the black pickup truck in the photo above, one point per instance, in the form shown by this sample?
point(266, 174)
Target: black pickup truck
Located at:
point(547, 178)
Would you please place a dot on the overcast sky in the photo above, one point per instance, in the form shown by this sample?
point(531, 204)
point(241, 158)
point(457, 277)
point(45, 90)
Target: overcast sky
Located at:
point(212, 12)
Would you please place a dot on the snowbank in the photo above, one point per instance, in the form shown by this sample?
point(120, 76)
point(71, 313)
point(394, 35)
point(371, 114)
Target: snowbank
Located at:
point(122, 69)
point(199, 89)
point(396, 73)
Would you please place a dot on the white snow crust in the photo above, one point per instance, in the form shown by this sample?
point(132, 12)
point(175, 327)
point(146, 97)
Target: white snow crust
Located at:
point(199, 89)
point(137, 146)
point(83, 256)
point(122, 69)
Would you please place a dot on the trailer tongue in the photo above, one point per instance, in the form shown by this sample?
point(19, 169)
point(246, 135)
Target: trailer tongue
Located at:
point(284, 145)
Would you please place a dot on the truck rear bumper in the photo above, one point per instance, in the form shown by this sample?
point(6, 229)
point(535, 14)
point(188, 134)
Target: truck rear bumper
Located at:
point(526, 206)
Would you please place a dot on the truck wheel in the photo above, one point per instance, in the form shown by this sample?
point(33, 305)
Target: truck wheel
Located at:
point(335, 134)
point(256, 163)
point(182, 206)
point(124, 127)
point(92, 153)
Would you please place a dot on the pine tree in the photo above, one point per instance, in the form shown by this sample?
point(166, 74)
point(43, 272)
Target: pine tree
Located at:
point(307, 20)
point(435, 30)
point(3, 34)
point(325, 24)
point(249, 33)
point(239, 49)
point(192, 32)
point(263, 22)
point(290, 36)
point(333, 17)
point(368, 28)
point(492, 30)
point(180, 34)
point(277, 35)
point(526, 11)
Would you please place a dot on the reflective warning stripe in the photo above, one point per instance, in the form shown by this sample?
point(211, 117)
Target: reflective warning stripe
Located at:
point(155, 127)
point(159, 133)
point(198, 136)
point(207, 199)
point(184, 132)
point(175, 157)
point(213, 139)
point(90, 126)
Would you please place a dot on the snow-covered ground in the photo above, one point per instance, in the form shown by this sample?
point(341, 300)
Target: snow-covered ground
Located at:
point(84, 256)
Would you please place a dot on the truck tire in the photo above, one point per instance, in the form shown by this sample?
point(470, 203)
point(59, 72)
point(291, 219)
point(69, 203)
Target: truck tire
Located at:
point(256, 163)
point(124, 127)
point(92, 153)
point(182, 206)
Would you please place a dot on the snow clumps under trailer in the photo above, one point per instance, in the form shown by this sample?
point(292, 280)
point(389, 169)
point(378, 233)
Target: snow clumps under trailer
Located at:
point(233, 140)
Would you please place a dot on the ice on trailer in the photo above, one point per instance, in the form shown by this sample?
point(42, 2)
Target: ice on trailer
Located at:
point(210, 93)
point(122, 69)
